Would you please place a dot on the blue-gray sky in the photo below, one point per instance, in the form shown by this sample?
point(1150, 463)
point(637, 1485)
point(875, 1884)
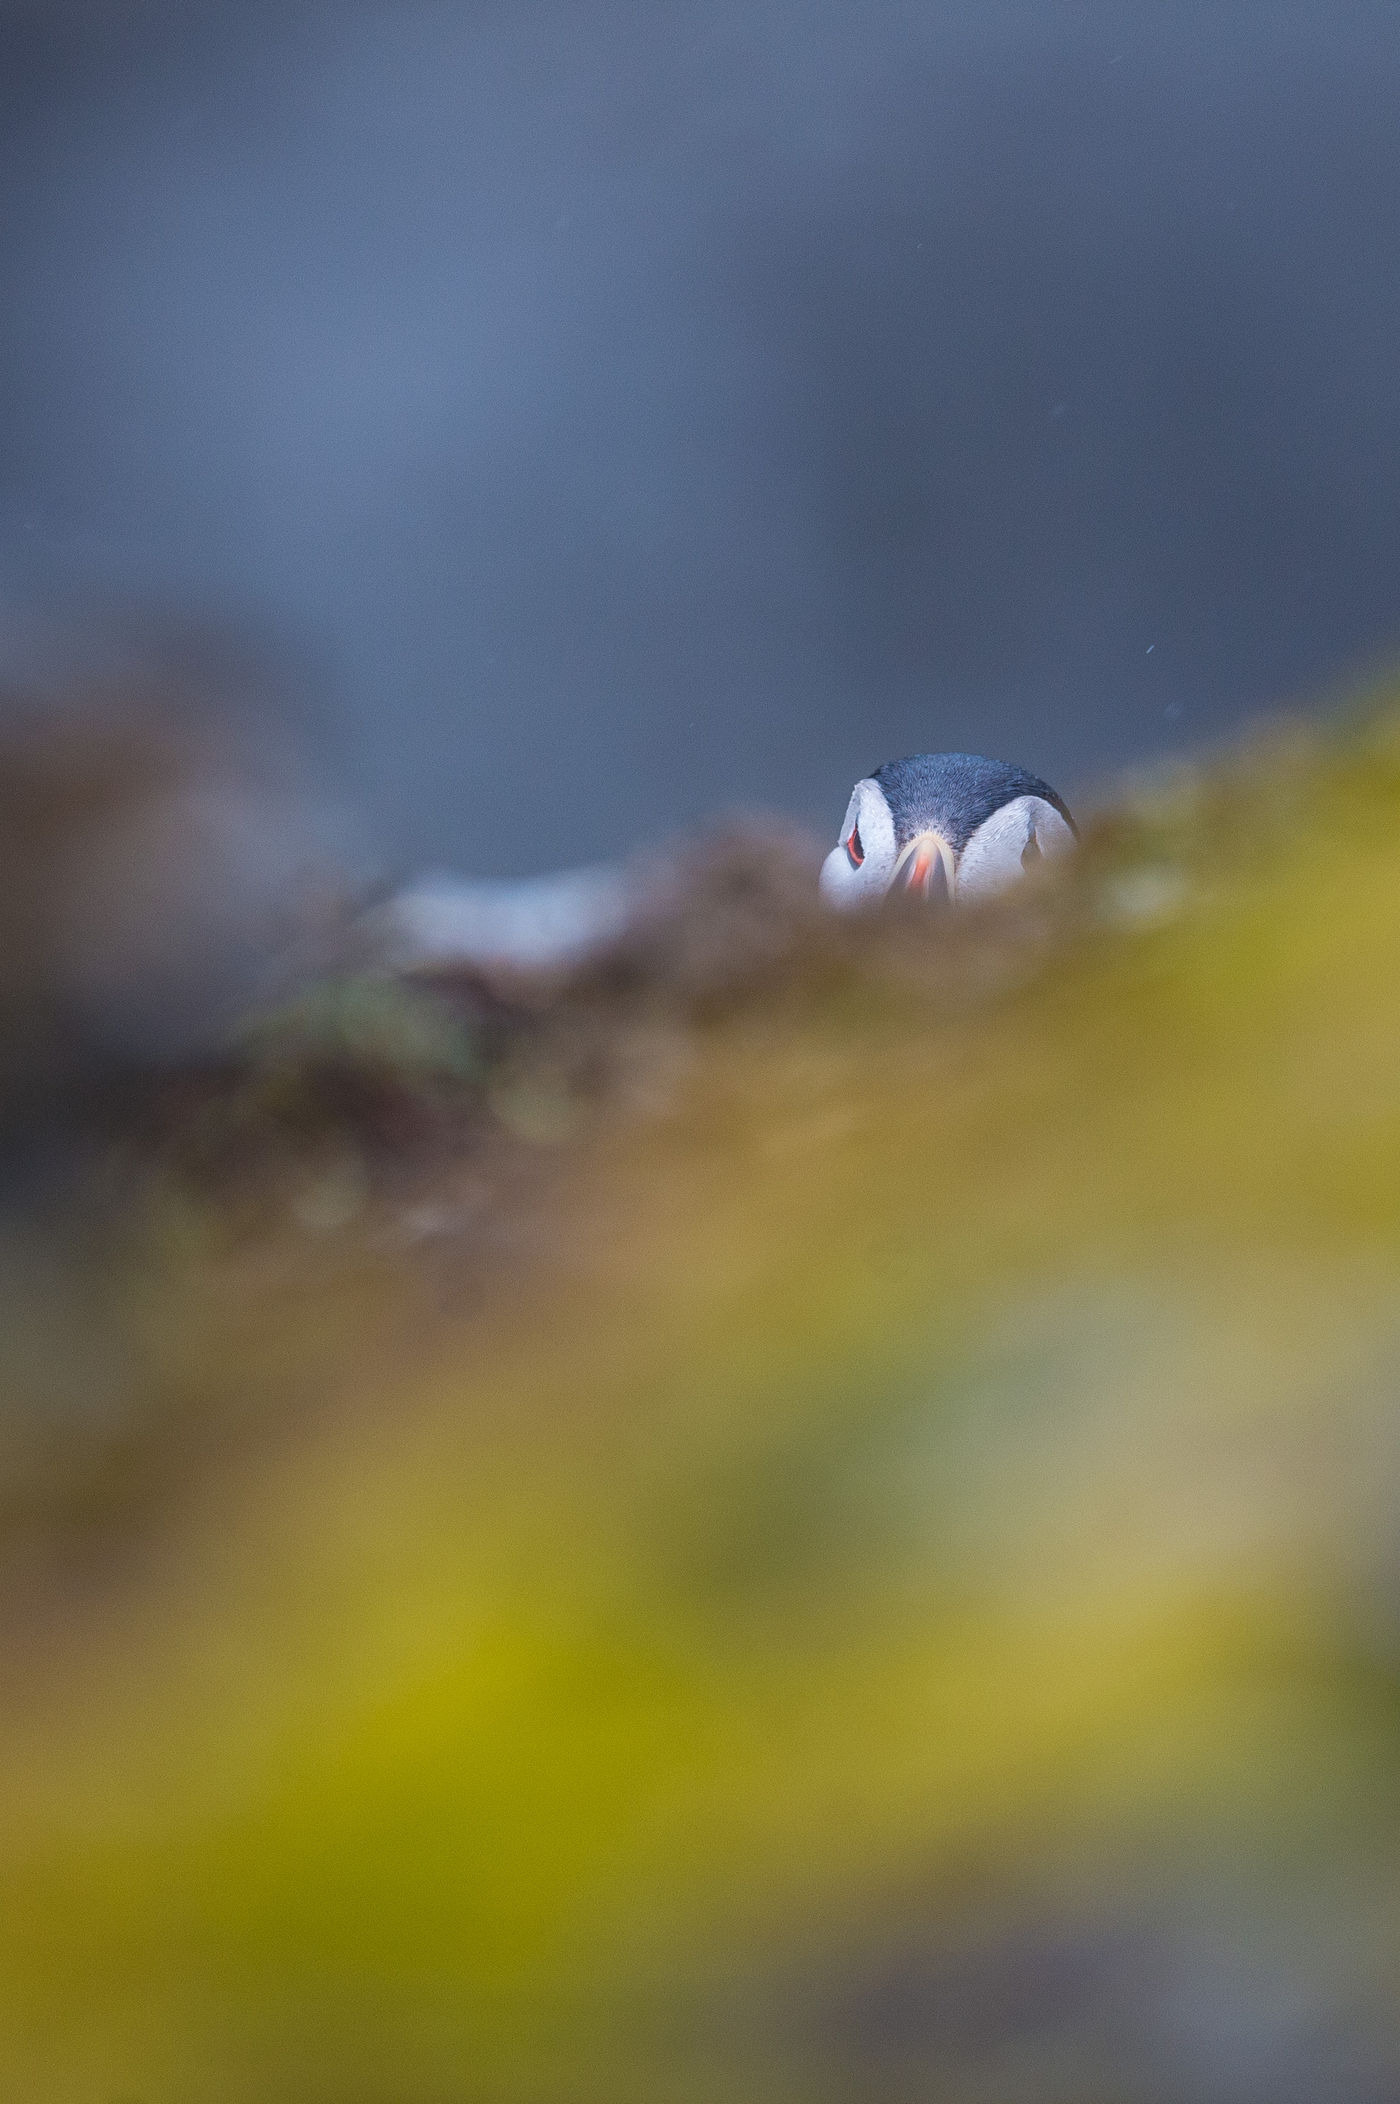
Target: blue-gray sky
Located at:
point(636, 410)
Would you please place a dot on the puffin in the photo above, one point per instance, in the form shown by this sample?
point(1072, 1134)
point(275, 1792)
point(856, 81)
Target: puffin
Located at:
point(940, 825)
point(945, 826)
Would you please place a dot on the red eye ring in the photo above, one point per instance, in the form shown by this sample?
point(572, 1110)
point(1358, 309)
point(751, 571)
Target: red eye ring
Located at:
point(855, 851)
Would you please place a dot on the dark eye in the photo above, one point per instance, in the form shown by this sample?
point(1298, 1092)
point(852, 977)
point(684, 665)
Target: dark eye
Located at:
point(855, 852)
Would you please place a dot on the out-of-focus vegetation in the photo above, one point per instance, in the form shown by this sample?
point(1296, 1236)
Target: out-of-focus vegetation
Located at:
point(807, 1513)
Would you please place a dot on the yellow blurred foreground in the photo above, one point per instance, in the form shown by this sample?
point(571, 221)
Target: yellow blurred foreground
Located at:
point(857, 1561)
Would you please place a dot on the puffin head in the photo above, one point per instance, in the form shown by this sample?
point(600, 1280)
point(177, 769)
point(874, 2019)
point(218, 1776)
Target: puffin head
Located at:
point(945, 825)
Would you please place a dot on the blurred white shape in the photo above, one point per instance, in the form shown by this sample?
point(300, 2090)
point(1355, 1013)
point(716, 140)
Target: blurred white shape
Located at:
point(531, 923)
point(1144, 898)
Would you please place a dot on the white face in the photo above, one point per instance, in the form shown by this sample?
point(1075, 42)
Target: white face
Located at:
point(1008, 844)
point(860, 867)
point(866, 862)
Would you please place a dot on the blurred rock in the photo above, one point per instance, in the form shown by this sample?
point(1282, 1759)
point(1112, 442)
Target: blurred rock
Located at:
point(164, 863)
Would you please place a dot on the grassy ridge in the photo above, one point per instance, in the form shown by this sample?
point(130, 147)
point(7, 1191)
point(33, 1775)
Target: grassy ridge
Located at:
point(806, 1514)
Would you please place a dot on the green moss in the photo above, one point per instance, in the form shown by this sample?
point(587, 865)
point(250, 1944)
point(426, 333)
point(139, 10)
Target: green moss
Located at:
point(859, 1564)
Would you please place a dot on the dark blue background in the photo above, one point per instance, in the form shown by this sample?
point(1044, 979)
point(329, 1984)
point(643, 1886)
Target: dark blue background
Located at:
point(634, 410)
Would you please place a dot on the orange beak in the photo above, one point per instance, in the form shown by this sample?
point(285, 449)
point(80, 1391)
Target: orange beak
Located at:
point(926, 867)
